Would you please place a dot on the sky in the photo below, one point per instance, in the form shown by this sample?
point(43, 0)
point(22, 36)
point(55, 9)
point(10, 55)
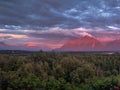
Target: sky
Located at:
point(50, 23)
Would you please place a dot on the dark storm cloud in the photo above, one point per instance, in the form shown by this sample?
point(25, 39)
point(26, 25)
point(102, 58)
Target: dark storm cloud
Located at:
point(37, 14)
point(33, 13)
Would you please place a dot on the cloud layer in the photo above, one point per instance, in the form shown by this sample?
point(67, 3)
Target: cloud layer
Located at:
point(53, 22)
point(37, 14)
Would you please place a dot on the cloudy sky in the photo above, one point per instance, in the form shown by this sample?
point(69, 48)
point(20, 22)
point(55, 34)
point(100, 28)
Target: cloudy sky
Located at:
point(50, 23)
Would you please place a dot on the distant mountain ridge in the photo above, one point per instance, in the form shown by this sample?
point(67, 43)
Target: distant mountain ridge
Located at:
point(4, 46)
point(88, 43)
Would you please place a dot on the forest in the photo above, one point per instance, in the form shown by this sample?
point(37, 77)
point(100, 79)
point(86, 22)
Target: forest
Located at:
point(21, 70)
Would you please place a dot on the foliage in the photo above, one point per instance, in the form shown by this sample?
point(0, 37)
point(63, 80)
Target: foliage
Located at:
point(59, 71)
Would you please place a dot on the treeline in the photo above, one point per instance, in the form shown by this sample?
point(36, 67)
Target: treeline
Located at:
point(60, 71)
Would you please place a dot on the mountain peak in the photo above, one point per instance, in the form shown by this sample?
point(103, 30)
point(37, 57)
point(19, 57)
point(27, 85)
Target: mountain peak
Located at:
point(85, 43)
point(88, 37)
point(90, 43)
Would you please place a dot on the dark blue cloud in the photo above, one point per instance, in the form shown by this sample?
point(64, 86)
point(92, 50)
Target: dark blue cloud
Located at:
point(39, 14)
